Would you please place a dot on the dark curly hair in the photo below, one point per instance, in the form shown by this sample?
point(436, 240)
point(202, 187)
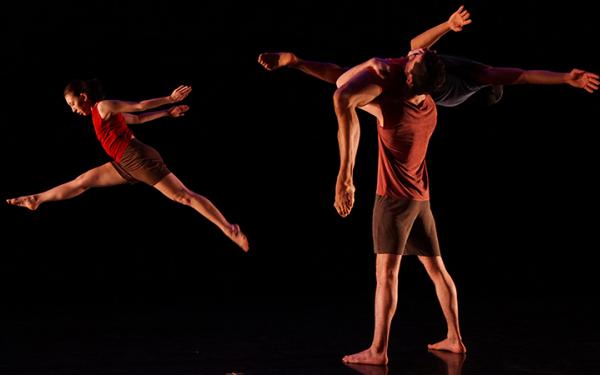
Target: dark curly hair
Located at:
point(428, 74)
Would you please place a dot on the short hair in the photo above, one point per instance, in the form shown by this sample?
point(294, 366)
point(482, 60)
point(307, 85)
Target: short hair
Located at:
point(429, 74)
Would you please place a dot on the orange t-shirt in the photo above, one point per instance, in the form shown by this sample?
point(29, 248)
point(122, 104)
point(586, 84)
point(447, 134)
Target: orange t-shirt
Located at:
point(403, 139)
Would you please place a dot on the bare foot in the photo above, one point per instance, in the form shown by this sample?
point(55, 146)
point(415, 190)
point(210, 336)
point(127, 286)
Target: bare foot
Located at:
point(367, 357)
point(368, 369)
point(29, 201)
point(236, 235)
point(449, 345)
point(276, 60)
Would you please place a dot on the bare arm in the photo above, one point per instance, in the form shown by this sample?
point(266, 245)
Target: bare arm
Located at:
point(108, 107)
point(379, 66)
point(456, 22)
point(176, 111)
point(513, 76)
point(360, 90)
point(324, 71)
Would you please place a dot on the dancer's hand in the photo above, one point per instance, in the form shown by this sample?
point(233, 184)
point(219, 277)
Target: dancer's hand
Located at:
point(180, 93)
point(344, 197)
point(459, 19)
point(276, 60)
point(179, 110)
point(583, 80)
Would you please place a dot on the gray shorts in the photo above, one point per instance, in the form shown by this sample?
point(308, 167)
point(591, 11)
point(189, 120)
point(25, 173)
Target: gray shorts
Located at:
point(404, 227)
point(141, 163)
point(461, 81)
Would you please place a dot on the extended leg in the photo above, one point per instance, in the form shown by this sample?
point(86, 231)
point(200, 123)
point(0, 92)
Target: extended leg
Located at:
point(104, 175)
point(174, 189)
point(448, 299)
point(386, 298)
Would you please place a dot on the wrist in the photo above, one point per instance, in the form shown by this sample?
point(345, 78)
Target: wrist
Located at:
point(345, 178)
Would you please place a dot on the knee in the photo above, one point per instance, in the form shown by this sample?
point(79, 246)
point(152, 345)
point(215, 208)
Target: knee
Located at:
point(387, 276)
point(183, 196)
point(83, 182)
point(434, 270)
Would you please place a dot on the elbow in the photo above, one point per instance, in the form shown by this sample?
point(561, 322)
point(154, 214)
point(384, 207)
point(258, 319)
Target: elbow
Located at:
point(138, 107)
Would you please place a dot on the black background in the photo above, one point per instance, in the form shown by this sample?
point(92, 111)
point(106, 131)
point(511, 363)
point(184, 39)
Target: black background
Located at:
point(513, 185)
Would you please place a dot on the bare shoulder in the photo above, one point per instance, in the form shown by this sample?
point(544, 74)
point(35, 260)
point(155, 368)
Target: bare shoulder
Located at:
point(106, 108)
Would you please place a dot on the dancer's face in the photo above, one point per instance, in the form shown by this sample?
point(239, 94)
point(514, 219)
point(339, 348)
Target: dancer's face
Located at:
point(79, 103)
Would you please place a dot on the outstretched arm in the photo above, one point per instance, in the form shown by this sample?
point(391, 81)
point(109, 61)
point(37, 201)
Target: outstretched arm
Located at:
point(456, 22)
point(108, 107)
point(324, 71)
point(359, 90)
point(513, 76)
point(176, 111)
point(380, 66)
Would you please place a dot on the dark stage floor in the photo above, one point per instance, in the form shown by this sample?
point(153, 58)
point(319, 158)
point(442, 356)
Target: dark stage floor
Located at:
point(296, 336)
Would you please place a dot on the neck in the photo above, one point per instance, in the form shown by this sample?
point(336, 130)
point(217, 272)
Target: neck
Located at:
point(413, 98)
point(417, 99)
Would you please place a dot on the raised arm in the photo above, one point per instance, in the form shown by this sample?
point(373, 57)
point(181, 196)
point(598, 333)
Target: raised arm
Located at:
point(176, 111)
point(513, 76)
point(456, 22)
point(108, 107)
point(360, 90)
point(324, 71)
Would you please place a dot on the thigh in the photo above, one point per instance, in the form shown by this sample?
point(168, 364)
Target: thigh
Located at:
point(104, 175)
point(463, 79)
point(392, 222)
point(143, 163)
point(462, 66)
point(423, 239)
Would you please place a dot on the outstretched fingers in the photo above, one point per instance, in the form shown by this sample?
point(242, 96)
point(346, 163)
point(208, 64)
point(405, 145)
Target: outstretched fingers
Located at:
point(592, 82)
point(181, 93)
point(585, 80)
point(459, 19)
point(179, 110)
point(344, 202)
point(275, 60)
